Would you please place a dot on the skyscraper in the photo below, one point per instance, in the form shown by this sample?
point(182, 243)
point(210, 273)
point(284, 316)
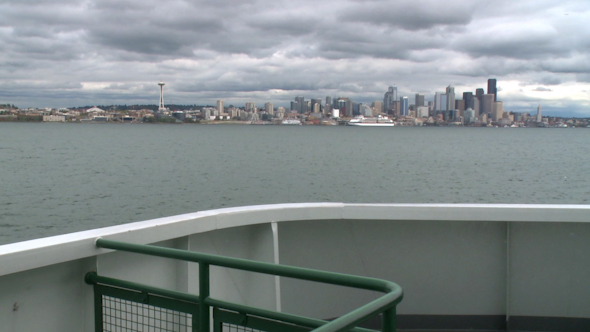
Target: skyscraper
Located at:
point(487, 103)
point(378, 107)
point(479, 94)
point(498, 111)
point(301, 104)
point(404, 104)
point(220, 106)
point(539, 116)
point(389, 98)
point(492, 88)
point(419, 100)
point(269, 108)
point(440, 101)
point(250, 107)
point(314, 108)
point(469, 100)
point(450, 98)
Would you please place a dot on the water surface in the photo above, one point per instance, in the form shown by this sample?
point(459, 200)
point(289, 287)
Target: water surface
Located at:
point(59, 178)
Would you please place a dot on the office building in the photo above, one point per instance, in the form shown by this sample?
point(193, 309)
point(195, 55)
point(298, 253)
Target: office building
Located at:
point(389, 98)
point(220, 108)
point(404, 105)
point(300, 104)
point(460, 105)
point(250, 107)
point(422, 111)
point(378, 107)
point(419, 100)
point(498, 112)
point(450, 98)
point(345, 106)
point(539, 116)
point(316, 105)
point(439, 105)
point(492, 90)
point(395, 108)
point(469, 116)
point(469, 100)
point(487, 104)
point(269, 108)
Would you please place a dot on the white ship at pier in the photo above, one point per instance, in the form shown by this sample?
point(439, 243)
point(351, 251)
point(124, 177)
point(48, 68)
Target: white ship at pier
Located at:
point(379, 121)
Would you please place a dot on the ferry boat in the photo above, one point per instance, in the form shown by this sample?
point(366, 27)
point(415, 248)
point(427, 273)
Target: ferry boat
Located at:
point(379, 121)
point(462, 267)
point(291, 122)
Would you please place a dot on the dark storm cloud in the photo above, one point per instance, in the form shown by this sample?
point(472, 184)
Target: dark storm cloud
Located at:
point(409, 15)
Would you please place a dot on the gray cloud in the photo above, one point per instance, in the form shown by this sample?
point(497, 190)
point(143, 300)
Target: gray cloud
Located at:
point(409, 15)
point(101, 52)
point(540, 88)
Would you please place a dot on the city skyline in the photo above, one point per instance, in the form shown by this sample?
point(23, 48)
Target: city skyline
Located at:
point(62, 54)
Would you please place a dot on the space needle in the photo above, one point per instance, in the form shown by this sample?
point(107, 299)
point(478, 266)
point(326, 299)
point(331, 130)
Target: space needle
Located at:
point(161, 108)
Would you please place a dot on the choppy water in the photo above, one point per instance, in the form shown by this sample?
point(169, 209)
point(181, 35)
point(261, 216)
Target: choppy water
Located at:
point(60, 178)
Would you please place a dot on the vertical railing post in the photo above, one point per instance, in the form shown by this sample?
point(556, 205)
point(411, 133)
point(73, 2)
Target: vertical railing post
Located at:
point(389, 320)
point(203, 294)
point(98, 324)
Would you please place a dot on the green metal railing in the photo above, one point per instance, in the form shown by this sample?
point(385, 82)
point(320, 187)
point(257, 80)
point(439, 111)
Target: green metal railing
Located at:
point(199, 307)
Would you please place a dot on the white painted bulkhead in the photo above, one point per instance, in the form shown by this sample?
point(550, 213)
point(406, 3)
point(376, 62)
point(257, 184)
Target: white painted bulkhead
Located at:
point(524, 260)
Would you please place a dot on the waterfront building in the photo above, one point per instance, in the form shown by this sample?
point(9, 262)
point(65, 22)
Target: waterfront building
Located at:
point(492, 90)
point(450, 98)
point(269, 108)
point(220, 106)
point(54, 118)
point(419, 100)
point(404, 105)
point(539, 116)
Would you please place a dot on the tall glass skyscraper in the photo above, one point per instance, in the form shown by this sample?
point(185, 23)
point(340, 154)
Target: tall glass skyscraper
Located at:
point(492, 90)
point(404, 105)
point(389, 98)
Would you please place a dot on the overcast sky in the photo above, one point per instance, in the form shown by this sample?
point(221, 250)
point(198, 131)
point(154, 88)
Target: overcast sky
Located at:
point(63, 53)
